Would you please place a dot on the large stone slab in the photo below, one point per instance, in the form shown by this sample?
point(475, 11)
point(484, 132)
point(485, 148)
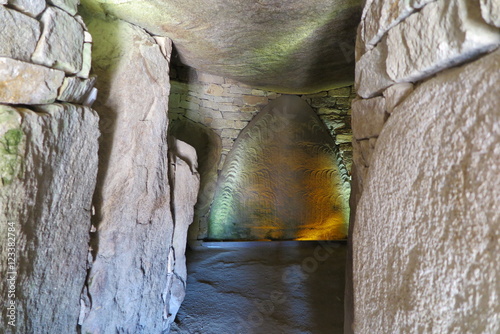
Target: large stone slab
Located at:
point(45, 205)
point(128, 283)
point(19, 34)
point(442, 34)
point(426, 244)
point(287, 46)
point(61, 43)
point(208, 147)
point(29, 7)
point(25, 83)
point(186, 183)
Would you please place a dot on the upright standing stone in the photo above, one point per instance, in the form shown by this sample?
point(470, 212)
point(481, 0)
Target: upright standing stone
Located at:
point(48, 168)
point(426, 243)
point(128, 282)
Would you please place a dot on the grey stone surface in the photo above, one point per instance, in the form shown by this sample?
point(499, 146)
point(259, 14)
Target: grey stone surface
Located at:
point(61, 43)
point(208, 147)
point(371, 76)
point(19, 34)
point(266, 44)
point(86, 61)
point(381, 15)
point(48, 203)
point(70, 6)
point(368, 117)
point(25, 83)
point(29, 7)
point(128, 283)
point(426, 244)
point(186, 184)
point(490, 9)
point(395, 94)
point(452, 28)
point(75, 90)
point(264, 287)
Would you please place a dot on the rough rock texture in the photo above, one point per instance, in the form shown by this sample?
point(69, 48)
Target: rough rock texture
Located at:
point(128, 282)
point(426, 249)
point(48, 169)
point(371, 72)
point(289, 46)
point(185, 183)
point(69, 6)
point(279, 287)
point(395, 94)
point(442, 34)
point(381, 15)
point(490, 9)
point(368, 117)
point(25, 83)
point(86, 61)
point(61, 43)
point(419, 58)
point(75, 90)
point(208, 148)
point(19, 34)
point(29, 7)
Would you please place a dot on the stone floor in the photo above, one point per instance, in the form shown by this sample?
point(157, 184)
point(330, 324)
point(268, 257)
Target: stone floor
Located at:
point(276, 287)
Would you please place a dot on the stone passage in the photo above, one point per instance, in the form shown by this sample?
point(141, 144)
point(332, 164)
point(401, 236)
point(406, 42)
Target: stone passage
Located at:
point(281, 180)
point(209, 112)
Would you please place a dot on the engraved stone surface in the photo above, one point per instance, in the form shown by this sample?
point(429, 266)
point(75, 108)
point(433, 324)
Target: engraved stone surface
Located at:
point(281, 179)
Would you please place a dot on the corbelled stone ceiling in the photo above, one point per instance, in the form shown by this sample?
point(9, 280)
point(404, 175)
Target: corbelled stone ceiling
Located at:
point(290, 46)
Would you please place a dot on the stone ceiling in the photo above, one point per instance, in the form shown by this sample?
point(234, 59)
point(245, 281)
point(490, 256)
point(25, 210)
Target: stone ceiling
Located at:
point(290, 46)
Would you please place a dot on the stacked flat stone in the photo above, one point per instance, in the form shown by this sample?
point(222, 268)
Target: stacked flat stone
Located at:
point(227, 106)
point(45, 53)
point(48, 159)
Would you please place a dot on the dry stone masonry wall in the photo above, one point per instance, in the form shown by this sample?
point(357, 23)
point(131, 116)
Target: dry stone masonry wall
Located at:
point(48, 164)
point(224, 107)
point(425, 176)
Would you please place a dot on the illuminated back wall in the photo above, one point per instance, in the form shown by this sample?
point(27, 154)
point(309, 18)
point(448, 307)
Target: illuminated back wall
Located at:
point(281, 180)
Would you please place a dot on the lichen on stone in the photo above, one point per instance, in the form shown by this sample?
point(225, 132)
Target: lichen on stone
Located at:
point(11, 142)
